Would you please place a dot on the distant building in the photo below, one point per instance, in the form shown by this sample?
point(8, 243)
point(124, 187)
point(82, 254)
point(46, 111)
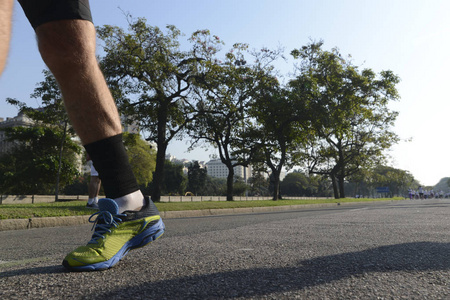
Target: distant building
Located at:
point(130, 128)
point(184, 162)
point(218, 169)
point(21, 120)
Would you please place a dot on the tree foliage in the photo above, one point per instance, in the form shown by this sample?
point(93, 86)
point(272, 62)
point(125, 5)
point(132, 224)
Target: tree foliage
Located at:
point(222, 99)
point(196, 178)
point(281, 126)
point(150, 77)
point(45, 151)
point(332, 118)
point(215, 186)
point(352, 121)
point(142, 158)
point(32, 167)
point(258, 184)
point(398, 181)
point(175, 181)
point(298, 184)
point(226, 95)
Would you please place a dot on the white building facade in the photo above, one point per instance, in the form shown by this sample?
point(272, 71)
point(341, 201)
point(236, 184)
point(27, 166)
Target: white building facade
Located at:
point(20, 120)
point(218, 169)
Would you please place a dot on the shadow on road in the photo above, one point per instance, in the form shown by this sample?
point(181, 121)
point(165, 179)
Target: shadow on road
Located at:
point(33, 271)
point(420, 256)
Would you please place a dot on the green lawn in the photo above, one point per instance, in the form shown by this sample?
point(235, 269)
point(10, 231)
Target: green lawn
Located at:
point(77, 208)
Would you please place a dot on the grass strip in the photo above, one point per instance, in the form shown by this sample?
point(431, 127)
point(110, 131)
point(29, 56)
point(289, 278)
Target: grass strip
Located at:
point(52, 209)
point(78, 208)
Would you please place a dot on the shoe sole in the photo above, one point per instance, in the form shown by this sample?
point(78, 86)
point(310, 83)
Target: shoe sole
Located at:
point(140, 240)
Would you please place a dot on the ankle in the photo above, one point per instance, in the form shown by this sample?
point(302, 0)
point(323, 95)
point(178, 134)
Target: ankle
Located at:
point(93, 200)
point(131, 202)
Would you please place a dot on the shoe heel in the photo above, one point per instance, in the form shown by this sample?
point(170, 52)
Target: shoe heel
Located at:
point(149, 235)
point(151, 238)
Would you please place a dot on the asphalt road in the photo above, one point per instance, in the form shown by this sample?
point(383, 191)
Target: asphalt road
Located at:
point(390, 250)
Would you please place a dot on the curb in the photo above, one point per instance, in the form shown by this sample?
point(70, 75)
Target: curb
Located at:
point(22, 224)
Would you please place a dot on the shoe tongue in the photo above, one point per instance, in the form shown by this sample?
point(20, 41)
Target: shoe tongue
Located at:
point(110, 205)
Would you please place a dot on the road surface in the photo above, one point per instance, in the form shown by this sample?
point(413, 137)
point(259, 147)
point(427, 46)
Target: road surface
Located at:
point(388, 250)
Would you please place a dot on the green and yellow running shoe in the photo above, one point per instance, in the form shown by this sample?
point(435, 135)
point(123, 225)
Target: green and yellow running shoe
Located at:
point(114, 235)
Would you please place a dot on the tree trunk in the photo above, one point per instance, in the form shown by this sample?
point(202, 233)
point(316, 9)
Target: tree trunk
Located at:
point(335, 188)
point(341, 170)
point(58, 174)
point(230, 179)
point(158, 176)
point(276, 186)
point(341, 187)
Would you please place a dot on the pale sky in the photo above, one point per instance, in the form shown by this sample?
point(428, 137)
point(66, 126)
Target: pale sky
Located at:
point(409, 37)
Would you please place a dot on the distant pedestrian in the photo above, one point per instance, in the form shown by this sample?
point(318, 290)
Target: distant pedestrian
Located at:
point(420, 192)
point(94, 185)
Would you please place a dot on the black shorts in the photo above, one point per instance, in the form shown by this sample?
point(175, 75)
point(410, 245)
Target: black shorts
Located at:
point(39, 12)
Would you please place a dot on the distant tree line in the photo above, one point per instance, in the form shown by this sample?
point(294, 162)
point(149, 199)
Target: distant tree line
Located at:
point(330, 119)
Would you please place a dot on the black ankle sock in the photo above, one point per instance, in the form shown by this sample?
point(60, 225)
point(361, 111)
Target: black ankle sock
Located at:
point(111, 161)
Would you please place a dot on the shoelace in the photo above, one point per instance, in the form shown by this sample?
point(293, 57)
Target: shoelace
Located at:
point(109, 220)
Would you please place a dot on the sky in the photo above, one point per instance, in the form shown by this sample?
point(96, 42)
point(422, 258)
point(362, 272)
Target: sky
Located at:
point(409, 37)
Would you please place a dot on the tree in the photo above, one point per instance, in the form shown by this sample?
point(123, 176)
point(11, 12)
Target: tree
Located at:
point(226, 93)
point(240, 187)
point(79, 186)
point(259, 184)
point(53, 112)
point(142, 158)
point(32, 167)
point(196, 178)
point(361, 183)
point(150, 77)
point(215, 186)
point(174, 179)
point(276, 123)
point(398, 181)
point(222, 101)
point(352, 121)
point(297, 184)
point(282, 125)
point(51, 122)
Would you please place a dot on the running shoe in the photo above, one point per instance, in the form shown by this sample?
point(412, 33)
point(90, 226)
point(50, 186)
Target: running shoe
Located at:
point(114, 235)
point(92, 205)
